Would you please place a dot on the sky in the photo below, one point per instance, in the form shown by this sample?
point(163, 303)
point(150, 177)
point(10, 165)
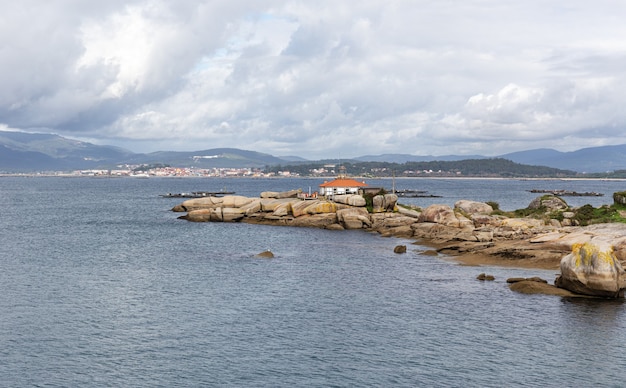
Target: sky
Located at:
point(317, 79)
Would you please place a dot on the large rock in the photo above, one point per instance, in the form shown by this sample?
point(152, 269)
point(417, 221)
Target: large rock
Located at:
point(321, 220)
point(270, 204)
point(236, 201)
point(199, 203)
point(549, 202)
point(390, 220)
point(231, 214)
point(515, 228)
point(592, 270)
point(350, 199)
point(434, 232)
point(481, 220)
point(299, 209)
point(384, 203)
point(281, 195)
point(440, 214)
point(251, 207)
point(354, 218)
point(393, 224)
point(408, 212)
point(312, 207)
point(199, 215)
point(473, 207)
point(284, 209)
point(613, 234)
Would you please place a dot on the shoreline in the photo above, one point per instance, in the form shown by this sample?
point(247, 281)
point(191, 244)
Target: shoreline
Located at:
point(469, 235)
point(523, 254)
point(70, 175)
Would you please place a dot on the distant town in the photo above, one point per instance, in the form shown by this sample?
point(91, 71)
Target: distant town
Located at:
point(485, 168)
point(141, 172)
point(145, 171)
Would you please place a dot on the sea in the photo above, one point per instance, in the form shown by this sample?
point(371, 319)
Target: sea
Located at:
point(102, 285)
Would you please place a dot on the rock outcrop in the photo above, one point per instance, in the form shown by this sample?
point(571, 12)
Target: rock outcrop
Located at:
point(530, 286)
point(267, 254)
point(399, 249)
point(473, 207)
point(548, 202)
point(589, 257)
point(592, 270)
point(384, 203)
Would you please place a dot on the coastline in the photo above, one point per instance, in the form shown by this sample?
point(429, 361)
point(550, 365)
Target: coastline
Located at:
point(467, 233)
point(322, 177)
point(507, 253)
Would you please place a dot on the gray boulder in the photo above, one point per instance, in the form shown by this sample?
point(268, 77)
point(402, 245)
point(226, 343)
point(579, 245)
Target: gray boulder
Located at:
point(549, 202)
point(384, 203)
point(473, 207)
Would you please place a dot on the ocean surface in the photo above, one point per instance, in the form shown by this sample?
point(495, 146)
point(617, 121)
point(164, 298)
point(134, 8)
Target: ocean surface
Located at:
point(102, 285)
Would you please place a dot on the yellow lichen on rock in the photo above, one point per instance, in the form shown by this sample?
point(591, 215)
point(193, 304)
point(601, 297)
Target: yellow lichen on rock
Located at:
point(592, 269)
point(585, 252)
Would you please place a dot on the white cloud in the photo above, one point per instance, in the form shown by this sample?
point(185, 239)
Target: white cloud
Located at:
point(318, 79)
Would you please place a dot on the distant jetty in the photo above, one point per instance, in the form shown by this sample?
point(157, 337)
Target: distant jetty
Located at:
point(409, 193)
point(197, 194)
point(562, 193)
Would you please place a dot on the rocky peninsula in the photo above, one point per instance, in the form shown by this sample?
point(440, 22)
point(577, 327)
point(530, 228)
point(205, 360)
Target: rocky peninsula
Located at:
point(589, 257)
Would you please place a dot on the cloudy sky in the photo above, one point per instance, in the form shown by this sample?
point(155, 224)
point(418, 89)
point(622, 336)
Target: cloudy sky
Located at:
point(317, 78)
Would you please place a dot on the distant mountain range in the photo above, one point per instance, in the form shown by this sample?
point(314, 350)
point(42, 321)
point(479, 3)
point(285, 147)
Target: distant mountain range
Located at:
point(585, 160)
point(28, 152)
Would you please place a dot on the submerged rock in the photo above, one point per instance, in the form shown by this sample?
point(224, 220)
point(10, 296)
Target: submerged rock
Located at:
point(399, 249)
point(533, 279)
point(265, 254)
point(533, 287)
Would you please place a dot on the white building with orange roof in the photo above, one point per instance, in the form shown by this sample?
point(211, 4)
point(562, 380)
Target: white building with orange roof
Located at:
point(341, 185)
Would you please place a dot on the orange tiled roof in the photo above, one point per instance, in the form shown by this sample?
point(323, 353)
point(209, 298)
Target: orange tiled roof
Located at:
point(343, 182)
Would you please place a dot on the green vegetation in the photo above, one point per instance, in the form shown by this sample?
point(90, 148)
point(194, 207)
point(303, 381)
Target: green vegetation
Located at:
point(494, 205)
point(146, 167)
point(584, 215)
point(618, 174)
point(539, 212)
point(587, 215)
point(556, 215)
point(497, 167)
point(369, 199)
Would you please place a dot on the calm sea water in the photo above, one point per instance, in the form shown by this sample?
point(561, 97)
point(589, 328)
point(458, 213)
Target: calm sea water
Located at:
point(101, 285)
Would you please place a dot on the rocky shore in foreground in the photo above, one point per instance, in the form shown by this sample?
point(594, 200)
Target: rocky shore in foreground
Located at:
point(470, 231)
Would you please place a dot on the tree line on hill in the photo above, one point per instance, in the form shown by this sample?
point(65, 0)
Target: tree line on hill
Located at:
point(495, 167)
